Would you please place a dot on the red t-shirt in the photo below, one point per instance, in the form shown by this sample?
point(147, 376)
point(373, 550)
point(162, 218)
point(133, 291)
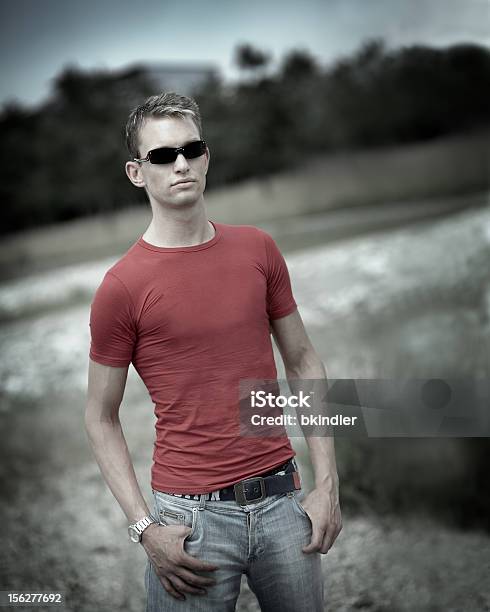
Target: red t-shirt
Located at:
point(194, 321)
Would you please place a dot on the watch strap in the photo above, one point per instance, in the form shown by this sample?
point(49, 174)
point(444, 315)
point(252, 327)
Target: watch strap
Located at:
point(138, 527)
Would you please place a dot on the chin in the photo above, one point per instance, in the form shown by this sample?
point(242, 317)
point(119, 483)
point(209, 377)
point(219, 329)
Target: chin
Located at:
point(186, 200)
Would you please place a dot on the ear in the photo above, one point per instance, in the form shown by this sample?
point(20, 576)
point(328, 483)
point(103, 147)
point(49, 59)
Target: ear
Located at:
point(208, 157)
point(133, 171)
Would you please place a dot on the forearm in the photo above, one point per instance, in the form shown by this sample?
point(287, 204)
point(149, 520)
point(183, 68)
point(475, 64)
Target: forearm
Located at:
point(111, 452)
point(322, 455)
point(311, 377)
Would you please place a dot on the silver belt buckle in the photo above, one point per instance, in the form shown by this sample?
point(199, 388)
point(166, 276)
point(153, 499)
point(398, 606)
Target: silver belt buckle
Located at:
point(240, 492)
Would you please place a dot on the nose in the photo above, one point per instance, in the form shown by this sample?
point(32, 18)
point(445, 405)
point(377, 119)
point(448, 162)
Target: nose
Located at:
point(181, 164)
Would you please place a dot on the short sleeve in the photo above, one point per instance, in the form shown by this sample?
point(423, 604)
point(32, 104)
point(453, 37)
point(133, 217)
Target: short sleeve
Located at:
point(280, 300)
point(112, 329)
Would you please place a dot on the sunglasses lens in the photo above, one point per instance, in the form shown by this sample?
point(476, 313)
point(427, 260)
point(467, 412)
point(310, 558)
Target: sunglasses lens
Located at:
point(194, 149)
point(162, 156)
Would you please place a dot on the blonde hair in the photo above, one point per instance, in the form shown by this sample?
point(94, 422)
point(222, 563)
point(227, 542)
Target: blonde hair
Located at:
point(167, 104)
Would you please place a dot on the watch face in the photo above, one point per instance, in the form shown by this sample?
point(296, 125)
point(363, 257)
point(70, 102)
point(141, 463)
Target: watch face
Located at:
point(134, 536)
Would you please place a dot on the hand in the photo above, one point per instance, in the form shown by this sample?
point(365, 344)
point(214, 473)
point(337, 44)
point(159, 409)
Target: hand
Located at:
point(322, 506)
point(164, 545)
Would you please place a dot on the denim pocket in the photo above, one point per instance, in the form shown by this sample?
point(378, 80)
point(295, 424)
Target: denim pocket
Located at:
point(168, 517)
point(297, 504)
point(170, 512)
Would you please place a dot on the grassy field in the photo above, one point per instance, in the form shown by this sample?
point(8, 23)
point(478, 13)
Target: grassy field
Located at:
point(441, 168)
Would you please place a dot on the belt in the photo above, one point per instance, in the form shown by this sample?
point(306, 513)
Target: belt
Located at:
point(258, 488)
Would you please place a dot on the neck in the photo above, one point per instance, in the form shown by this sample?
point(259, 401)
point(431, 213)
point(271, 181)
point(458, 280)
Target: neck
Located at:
point(174, 228)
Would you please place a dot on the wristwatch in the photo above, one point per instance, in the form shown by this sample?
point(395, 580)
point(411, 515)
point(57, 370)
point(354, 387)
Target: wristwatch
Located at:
point(136, 530)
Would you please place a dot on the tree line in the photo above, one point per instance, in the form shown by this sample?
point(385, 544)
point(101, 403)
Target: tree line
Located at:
point(65, 158)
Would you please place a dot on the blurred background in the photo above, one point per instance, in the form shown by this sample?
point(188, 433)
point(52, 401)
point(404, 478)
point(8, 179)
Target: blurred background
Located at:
point(356, 133)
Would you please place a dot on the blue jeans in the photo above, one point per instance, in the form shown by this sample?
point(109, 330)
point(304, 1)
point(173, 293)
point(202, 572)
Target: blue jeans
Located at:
point(262, 540)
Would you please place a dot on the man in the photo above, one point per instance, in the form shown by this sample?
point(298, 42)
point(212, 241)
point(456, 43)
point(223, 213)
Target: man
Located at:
point(192, 305)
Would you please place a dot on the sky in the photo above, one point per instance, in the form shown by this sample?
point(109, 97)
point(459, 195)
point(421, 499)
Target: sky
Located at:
point(40, 37)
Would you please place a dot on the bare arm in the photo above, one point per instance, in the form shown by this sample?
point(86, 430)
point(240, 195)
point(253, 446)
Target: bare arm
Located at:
point(164, 546)
point(302, 362)
point(106, 386)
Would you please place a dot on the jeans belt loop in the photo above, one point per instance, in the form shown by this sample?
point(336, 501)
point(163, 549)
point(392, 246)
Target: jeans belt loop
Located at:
point(202, 501)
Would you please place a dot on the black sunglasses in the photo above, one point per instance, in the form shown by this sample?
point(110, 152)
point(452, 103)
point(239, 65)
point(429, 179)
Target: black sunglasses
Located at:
point(167, 155)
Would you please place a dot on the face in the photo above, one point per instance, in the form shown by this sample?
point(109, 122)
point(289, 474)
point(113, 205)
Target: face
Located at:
point(179, 183)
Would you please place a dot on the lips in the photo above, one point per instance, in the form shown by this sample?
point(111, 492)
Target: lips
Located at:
point(184, 182)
